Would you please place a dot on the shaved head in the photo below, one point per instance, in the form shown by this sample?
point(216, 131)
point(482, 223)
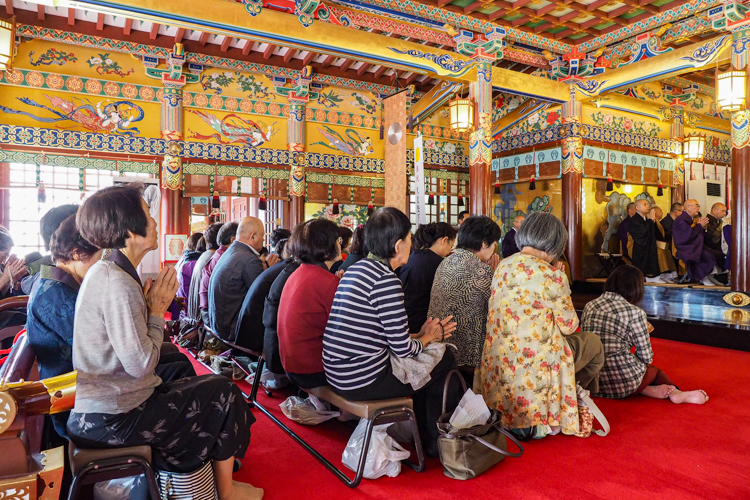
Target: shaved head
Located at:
point(251, 232)
point(719, 210)
point(518, 221)
point(642, 207)
point(692, 207)
point(631, 209)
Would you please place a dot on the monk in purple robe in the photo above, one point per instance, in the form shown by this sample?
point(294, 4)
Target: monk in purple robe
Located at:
point(689, 248)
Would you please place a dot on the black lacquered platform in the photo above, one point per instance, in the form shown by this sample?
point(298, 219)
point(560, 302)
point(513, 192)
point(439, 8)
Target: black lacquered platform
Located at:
point(687, 314)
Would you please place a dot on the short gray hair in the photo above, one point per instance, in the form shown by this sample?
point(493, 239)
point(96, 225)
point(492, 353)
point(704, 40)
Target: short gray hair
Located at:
point(544, 232)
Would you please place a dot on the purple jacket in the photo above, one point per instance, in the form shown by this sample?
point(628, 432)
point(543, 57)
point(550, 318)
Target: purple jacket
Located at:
point(184, 270)
point(688, 241)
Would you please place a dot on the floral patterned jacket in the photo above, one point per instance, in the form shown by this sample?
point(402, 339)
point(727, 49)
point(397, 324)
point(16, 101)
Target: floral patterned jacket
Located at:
point(527, 371)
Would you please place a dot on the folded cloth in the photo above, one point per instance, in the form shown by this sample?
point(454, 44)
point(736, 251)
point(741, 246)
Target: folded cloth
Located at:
point(416, 371)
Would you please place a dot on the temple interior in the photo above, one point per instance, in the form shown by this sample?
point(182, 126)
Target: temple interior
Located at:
point(294, 110)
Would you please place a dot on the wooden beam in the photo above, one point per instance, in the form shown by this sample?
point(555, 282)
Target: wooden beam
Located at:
point(248, 45)
point(379, 72)
point(71, 14)
point(128, 26)
point(308, 58)
point(346, 64)
point(327, 61)
point(442, 3)
point(100, 21)
point(203, 39)
point(39, 11)
point(394, 76)
point(363, 69)
point(411, 78)
point(269, 51)
point(179, 35)
point(225, 43)
point(289, 54)
point(472, 7)
point(9, 7)
point(154, 31)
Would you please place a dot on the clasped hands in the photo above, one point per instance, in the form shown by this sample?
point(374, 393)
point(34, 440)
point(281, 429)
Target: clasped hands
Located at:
point(435, 330)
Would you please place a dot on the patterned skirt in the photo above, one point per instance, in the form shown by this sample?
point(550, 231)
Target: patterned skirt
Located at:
point(185, 422)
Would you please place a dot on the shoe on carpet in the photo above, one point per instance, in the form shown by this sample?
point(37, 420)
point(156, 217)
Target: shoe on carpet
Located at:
point(656, 279)
point(707, 282)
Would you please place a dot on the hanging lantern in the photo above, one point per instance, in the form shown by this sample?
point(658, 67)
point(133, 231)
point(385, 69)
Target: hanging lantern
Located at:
point(335, 209)
point(532, 183)
point(461, 114)
point(660, 190)
point(693, 146)
point(730, 91)
point(215, 200)
point(7, 43)
point(41, 193)
point(497, 187)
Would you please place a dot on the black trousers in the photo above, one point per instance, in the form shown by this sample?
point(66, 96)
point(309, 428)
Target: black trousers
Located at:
point(308, 380)
point(186, 422)
point(428, 400)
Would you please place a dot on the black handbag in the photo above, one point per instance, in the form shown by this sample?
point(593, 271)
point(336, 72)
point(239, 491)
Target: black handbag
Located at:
point(466, 453)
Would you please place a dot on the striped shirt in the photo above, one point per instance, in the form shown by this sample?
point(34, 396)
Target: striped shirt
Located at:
point(367, 320)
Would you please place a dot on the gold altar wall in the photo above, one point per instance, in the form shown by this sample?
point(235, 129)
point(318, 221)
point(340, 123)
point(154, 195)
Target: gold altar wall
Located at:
point(602, 213)
point(516, 199)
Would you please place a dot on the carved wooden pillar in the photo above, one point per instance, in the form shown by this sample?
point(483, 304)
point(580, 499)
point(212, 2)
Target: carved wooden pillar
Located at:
point(572, 185)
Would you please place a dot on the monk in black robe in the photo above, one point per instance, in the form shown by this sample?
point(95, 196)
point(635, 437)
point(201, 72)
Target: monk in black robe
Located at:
point(643, 230)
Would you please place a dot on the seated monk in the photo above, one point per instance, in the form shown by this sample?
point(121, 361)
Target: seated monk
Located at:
point(667, 264)
point(642, 229)
point(689, 248)
point(712, 238)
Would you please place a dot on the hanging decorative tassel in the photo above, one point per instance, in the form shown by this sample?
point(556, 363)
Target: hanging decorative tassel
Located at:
point(660, 190)
point(532, 183)
point(262, 204)
point(431, 200)
point(370, 208)
point(335, 209)
point(497, 187)
point(460, 202)
point(610, 184)
point(216, 201)
point(41, 193)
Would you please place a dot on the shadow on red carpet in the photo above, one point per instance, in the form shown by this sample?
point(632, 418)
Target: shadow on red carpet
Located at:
point(656, 450)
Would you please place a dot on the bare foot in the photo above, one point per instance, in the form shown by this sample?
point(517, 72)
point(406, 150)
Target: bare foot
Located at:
point(245, 491)
point(696, 397)
point(658, 391)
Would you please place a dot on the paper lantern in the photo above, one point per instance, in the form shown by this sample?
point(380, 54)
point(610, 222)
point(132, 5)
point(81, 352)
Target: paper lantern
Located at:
point(730, 91)
point(461, 114)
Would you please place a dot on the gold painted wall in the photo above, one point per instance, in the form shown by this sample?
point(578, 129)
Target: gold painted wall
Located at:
point(602, 213)
point(516, 199)
point(59, 110)
point(235, 128)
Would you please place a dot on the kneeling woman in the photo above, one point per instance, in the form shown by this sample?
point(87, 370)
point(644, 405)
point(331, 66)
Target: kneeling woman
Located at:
point(622, 325)
point(306, 302)
point(120, 401)
point(368, 324)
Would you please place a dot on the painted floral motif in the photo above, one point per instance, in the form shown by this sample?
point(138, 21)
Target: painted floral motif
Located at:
point(698, 103)
point(14, 77)
point(625, 124)
point(35, 79)
point(718, 143)
point(55, 81)
point(364, 102)
point(106, 66)
point(349, 216)
point(650, 93)
point(220, 80)
point(504, 104)
point(130, 91)
point(330, 99)
point(52, 56)
point(443, 147)
point(536, 121)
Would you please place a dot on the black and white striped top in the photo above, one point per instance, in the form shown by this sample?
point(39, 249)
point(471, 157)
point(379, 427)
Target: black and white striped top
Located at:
point(367, 319)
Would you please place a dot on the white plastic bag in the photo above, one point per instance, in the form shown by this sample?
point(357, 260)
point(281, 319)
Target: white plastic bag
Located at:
point(383, 456)
point(310, 411)
point(126, 488)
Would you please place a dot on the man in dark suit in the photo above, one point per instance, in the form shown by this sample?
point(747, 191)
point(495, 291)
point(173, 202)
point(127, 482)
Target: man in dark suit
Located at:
point(509, 240)
point(234, 275)
point(622, 232)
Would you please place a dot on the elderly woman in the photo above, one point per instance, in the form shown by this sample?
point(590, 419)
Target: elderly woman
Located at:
point(462, 288)
point(432, 243)
point(52, 308)
point(622, 326)
point(532, 359)
point(357, 250)
point(306, 302)
point(368, 325)
point(12, 268)
point(120, 400)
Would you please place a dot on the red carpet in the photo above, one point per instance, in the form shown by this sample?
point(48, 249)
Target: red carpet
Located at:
point(656, 450)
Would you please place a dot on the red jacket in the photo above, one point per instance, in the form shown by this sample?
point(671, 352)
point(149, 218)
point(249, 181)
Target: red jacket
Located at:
point(303, 314)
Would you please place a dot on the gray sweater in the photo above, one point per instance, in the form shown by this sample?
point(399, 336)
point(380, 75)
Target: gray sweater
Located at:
point(115, 342)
